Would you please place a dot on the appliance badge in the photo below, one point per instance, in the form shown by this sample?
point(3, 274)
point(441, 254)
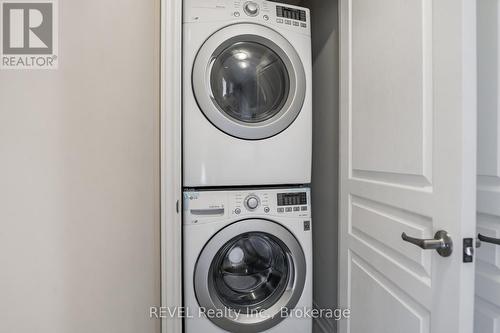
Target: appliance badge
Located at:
point(307, 225)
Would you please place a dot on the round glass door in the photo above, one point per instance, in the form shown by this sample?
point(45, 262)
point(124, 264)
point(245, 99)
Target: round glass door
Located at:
point(251, 271)
point(254, 268)
point(249, 81)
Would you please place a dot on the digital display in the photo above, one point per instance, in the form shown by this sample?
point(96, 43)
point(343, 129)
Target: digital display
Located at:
point(292, 199)
point(291, 13)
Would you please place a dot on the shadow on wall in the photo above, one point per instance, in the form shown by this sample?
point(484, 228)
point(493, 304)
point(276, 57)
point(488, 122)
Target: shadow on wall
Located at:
point(325, 156)
point(324, 16)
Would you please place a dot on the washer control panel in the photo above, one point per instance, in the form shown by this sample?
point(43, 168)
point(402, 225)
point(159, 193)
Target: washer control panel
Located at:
point(210, 206)
point(267, 12)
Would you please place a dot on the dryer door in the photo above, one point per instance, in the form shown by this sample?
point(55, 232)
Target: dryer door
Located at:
point(250, 271)
point(249, 81)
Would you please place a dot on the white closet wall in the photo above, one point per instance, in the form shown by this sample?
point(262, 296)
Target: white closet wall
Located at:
point(79, 177)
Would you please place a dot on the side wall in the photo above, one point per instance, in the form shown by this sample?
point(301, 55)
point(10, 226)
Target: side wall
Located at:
point(79, 180)
point(325, 156)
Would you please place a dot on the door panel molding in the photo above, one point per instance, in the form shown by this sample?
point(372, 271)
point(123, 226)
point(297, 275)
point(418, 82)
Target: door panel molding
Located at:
point(403, 139)
point(413, 316)
point(375, 223)
point(394, 179)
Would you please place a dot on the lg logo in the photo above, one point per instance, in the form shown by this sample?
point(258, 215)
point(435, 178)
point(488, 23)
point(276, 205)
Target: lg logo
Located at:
point(29, 38)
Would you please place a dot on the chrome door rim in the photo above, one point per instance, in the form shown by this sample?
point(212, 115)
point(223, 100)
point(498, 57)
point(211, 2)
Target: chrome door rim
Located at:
point(269, 317)
point(247, 32)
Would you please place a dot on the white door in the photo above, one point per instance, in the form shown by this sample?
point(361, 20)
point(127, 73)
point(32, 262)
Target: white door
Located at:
point(408, 164)
point(487, 310)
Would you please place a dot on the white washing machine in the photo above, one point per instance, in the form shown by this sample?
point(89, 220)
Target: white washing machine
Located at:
point(247, 93)
point(247, 260)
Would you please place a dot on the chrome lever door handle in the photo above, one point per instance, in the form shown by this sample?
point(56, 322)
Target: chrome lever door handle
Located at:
point(487, 239)
point(442, 243)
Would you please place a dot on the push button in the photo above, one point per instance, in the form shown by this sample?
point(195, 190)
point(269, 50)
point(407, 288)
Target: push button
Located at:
point(288, 209)
point(303, 208)
point(296, 209)
point(280, 210)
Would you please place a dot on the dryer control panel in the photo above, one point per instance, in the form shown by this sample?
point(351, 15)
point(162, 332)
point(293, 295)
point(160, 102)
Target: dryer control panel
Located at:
point(265, 12)
point(213, 205)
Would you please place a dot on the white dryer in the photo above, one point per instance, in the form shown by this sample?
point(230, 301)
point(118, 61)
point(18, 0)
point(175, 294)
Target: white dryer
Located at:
point(247, 261)
point(247, 93)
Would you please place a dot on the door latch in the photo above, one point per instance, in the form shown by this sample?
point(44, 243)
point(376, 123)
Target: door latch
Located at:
point(468, 250)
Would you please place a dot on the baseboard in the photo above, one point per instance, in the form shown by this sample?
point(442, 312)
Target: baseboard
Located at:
point(322, 325)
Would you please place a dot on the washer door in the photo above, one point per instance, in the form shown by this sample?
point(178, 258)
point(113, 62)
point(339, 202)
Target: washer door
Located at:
point(250, 271)
point(249, 81)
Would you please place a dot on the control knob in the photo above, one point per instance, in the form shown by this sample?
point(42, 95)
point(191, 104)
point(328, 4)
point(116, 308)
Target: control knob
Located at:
point(251, 8)
point(252, 202)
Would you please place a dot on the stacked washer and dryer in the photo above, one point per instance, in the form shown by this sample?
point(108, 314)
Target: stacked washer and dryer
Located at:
point(247, 136)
